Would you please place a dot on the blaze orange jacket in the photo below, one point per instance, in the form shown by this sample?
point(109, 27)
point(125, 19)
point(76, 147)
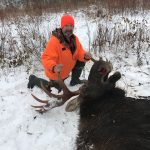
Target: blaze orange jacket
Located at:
point(56, 53)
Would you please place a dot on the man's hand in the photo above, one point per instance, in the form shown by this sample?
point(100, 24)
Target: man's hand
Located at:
point(88, 55)
point(58, 68)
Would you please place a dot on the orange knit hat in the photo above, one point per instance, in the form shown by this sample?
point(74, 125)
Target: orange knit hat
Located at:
point(66, 19)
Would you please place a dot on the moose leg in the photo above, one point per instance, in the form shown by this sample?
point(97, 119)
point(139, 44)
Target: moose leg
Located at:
point(114, 78)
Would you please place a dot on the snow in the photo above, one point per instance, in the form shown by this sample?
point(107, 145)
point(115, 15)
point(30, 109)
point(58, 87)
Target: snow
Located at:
point(22, 128)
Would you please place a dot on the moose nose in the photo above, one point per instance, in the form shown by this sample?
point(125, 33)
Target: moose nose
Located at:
point(103, 71)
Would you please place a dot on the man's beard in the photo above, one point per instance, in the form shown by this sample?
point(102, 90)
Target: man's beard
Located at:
point(68, 33)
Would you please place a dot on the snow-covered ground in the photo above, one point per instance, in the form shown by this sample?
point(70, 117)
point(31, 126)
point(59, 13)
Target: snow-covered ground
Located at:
point(22, 128)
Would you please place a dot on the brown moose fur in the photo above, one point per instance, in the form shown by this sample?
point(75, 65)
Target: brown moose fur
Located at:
point(108, 119)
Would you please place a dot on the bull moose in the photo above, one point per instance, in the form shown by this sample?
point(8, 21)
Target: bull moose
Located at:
point(109, 120)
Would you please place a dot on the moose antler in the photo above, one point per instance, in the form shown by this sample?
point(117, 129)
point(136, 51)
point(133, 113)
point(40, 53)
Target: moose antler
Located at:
point(67, 94)
point(93, 60)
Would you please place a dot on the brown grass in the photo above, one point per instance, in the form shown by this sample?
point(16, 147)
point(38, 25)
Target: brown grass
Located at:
point(39, 7)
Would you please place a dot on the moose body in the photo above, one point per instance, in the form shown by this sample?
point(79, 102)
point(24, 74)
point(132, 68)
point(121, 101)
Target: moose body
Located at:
point(108, 119)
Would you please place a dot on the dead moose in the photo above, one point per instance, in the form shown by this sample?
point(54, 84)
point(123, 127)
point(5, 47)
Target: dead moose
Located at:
point(108, 119)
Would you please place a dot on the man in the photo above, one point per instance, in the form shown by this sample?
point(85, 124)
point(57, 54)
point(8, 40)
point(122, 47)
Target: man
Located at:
point(64, 53)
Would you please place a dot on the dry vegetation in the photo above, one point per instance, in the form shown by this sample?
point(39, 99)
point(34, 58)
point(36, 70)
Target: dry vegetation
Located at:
point(29, 42)
point(126, 38)
point(36, 7)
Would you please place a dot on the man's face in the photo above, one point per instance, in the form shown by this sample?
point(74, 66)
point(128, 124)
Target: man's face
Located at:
point(68, 30)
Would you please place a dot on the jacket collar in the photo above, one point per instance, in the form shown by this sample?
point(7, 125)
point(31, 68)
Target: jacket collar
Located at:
point(60, 36)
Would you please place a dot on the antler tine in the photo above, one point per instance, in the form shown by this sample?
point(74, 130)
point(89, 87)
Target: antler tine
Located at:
point(47, 107)
point(67, 93)
point(37, 106)
point(62, 85)
point(41, 101)
point(49, 93)
point(41, 111)
point(93, 60)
